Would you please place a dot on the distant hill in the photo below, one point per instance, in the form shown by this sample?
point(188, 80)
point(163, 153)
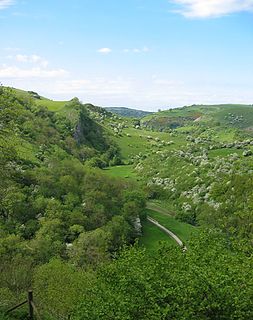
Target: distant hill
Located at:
point(232, 115)
point(128, 112)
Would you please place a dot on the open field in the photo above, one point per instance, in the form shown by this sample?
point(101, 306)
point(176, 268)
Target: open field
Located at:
point(126, 172)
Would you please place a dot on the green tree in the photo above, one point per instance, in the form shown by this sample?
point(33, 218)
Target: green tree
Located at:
point(59, 287)
point(90, 249)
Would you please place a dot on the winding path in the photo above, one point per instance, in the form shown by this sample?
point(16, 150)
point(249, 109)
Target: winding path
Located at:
point(167, 231)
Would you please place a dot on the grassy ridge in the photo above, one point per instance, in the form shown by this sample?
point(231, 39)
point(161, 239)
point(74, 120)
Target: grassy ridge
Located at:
point(51, 104)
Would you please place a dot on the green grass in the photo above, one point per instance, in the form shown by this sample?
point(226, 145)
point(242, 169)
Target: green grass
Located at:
point(163, 205)
point(126, 172)
point(51, 105)
point(223, 152)
point(181, 229)
point(225, 135)
point(138, 142)
point(130, 146)
point(185, 129)
point(152, 237)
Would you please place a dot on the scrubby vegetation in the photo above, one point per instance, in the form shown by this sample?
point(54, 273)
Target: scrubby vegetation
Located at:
point(74, 183)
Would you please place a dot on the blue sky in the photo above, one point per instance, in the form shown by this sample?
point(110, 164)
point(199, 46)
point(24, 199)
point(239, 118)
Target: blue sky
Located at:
point(147, 54)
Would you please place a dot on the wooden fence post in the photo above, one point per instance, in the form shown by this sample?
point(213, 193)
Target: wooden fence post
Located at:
point(30, 304)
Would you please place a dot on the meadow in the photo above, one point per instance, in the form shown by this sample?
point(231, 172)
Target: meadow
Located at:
point(125, 172)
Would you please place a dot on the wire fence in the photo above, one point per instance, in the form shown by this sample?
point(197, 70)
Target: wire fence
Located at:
point(32, 310)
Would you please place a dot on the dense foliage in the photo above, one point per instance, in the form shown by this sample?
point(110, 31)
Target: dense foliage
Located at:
point(52, 202)
point(69, 230)
point(208, 282)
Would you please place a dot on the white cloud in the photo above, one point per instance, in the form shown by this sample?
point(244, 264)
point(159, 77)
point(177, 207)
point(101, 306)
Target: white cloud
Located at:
point(126, 50)
point(151, 93)
point(92, 87)
point(35, 59)
point(145, 49)
point(148, 93)
point(212, 8)
point(21, 58)
point(12, 49)
point(166, 82)
point(5, 4)
point(7, 72)
point(137, 50)
point(104, 50)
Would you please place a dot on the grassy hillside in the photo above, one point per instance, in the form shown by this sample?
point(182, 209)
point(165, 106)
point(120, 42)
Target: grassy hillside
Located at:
point(237, 116)
point(51, 105)
point(178, 154)
point(74, 185)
